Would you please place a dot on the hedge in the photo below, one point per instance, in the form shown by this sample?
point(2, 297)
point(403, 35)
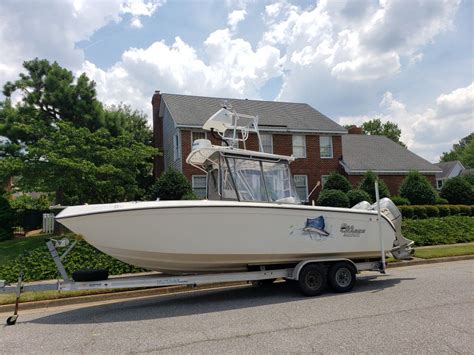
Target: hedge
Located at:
point(333, 198)
point(421, 212)
point(38, 264)
point(441, 230)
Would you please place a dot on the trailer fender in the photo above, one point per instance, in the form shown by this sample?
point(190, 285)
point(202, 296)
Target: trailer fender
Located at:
point(301, 264)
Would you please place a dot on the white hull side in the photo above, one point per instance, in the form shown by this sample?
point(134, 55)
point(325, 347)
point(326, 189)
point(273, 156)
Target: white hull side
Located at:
point(216, 236)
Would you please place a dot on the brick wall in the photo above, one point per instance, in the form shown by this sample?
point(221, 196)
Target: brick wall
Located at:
point(393, 181)
point(158, 164)
point(312, 166)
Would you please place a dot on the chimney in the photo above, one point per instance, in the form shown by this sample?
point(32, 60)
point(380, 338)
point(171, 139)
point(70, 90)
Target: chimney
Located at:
point(354, 130)
point(158, 163)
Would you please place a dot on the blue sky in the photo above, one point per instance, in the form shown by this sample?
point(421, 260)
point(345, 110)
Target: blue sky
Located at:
point(407, 61)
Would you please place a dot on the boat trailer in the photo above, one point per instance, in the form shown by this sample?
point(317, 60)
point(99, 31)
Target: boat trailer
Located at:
point(310, 274)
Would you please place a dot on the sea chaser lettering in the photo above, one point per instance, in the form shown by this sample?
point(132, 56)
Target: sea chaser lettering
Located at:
point(350, 231)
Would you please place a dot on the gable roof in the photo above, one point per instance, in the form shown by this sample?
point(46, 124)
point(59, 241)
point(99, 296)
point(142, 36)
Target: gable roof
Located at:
point(381, 155)
point(446, 168)
point(193, 111)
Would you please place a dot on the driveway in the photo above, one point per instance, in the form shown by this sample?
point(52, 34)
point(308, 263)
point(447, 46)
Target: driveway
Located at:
point(426, 308)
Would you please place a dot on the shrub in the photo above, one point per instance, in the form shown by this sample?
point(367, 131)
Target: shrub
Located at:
point(465, 210)
point(6, 219)
point(407, 211)
point(334, 198)
point(368, 185)
point(441, 201)
point(337, 181)
point(432, 211)
point(445, 230)
point(172, 185)
point(458, 191)
point(443, 210)
point(419, 212)
point(417, 189)
point(190, 196)
point(454, 210)
point(357, 195)
point(37, 264)
point(400, 201)
point(472, 210)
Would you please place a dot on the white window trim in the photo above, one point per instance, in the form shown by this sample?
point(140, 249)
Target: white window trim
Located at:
point(305, 199)
point(177, 148)
point(437, 183)
point(196, 131)
point(271, 140)
point(322, 182)
point(198, 176)
point(304, 145)
point(332, 148)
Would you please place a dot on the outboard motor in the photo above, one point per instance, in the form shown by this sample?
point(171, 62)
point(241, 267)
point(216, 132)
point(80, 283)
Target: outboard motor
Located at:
point(402, 247)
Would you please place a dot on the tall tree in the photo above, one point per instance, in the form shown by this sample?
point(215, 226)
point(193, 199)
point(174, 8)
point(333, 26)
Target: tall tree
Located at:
point(387, 129)
point(462, 151)
point(61, 139)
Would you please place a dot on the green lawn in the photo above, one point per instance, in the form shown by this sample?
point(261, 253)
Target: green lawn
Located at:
point(439, 252)
point(10, 249)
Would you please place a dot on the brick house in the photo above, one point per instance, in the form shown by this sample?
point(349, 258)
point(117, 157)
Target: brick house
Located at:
point(286, 128)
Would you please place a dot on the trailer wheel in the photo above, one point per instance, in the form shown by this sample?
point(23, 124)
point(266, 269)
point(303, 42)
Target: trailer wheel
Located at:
point(12, 320)
point(341, 277)
point(312, 280)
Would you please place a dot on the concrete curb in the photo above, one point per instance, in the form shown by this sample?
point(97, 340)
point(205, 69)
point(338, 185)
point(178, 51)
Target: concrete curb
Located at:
point(124, 295)
point(430, 261)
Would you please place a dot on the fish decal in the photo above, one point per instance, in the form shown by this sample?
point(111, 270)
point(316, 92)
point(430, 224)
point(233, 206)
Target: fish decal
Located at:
point(316, 225)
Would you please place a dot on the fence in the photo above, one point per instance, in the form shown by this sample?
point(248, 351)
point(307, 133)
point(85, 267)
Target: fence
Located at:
point(48, 223)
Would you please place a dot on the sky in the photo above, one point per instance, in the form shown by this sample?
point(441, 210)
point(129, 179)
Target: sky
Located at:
point(405, 61)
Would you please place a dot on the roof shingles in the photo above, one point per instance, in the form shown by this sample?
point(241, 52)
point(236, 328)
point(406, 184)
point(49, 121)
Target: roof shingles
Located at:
point(380, 154)
point(193, 111)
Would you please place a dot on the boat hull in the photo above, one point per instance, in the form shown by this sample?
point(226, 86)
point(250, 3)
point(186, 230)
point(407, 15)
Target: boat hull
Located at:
point(218, 236)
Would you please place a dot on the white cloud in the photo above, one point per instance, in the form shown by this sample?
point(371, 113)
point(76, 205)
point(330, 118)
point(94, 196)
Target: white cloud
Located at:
point(235, 17)
point(432, 131)
point(234, 69)
point(29, 29)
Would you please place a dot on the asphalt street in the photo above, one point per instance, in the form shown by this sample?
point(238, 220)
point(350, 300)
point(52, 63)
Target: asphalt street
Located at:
point(425, 308)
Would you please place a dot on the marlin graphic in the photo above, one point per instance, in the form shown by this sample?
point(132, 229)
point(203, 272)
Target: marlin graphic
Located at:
point(316, 225)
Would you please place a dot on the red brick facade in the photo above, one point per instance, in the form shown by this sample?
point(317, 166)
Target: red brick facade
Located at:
point(159, 164)
point(313, 166)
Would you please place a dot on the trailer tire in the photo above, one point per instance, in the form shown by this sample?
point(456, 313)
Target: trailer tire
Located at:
point(12, 320)
point(312, 280)
point(90, 275)
point(341, 277)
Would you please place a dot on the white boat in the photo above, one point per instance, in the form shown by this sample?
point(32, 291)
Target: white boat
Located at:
point(252, 218)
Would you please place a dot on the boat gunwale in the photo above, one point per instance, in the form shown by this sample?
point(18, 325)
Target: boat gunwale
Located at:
point(302, 207)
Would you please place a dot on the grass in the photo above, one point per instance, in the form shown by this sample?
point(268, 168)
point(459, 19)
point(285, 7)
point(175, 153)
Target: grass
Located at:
point(10, 249)
point(440, 252)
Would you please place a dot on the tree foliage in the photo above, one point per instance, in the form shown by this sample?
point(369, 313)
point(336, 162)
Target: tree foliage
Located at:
point(417, 189)
point(337, 181)
point(357, 195)
point(458, 191)
point(61, 139)
point(6, 219)
point(172, 185)
point(368, 185)
point(334, 198)
point(462, 151)
point(387, 129)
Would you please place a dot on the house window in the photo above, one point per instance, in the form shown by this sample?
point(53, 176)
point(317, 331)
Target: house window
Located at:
point(267, 143)
point(325, 146)
point(299, 146)
point(176, 148)
point(301, 184)
point(439, 184)
point(197, 135)
point(200, 185)
point(324, 179)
